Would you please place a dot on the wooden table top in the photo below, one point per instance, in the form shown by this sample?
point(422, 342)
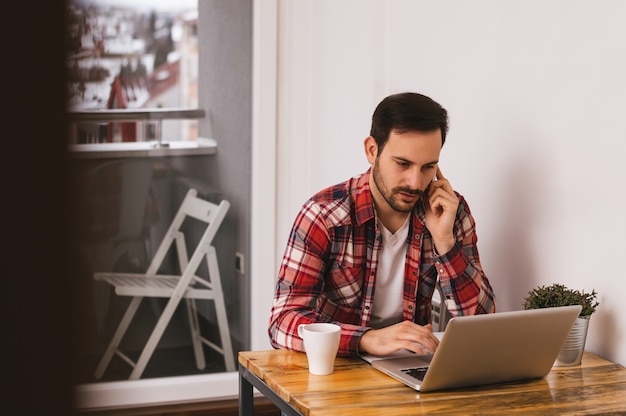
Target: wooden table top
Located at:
point(355, 388)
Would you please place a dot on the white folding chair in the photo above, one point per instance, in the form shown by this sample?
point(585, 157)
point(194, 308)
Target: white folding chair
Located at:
point(188, 285)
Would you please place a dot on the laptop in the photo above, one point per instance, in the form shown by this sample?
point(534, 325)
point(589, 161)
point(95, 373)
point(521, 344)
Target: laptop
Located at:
point(485, 349)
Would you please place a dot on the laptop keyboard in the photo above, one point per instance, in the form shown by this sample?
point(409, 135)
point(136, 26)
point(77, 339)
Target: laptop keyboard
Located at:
point(417, 372)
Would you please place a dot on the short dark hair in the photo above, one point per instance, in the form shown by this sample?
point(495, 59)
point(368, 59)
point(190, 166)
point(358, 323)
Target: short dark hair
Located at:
point(405, 112)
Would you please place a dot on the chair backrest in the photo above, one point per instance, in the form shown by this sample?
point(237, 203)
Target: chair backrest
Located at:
point(440, 314)
point(194, 207)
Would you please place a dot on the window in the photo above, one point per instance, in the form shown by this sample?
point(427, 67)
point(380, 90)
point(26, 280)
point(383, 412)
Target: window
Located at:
point(132, 54)
point(226, 96)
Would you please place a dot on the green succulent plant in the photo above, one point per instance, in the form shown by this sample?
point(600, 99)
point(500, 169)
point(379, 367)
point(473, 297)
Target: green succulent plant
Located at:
point(559, 295)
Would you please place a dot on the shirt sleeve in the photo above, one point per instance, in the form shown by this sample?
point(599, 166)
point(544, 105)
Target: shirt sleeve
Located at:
point(465, 286)
point(300, 286)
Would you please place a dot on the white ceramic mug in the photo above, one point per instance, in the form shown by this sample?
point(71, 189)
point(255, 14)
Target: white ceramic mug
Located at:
point(321, 342)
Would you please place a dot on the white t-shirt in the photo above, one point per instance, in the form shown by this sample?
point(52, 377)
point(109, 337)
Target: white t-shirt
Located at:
point(387, 307)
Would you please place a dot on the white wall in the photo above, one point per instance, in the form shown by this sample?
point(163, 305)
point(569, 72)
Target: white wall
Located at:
point(535, 91)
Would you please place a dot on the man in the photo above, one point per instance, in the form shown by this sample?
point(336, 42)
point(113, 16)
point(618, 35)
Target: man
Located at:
point(366, 254)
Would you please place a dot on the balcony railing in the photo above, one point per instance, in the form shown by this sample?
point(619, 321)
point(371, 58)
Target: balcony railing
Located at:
point(99, 146)
point(105, 117)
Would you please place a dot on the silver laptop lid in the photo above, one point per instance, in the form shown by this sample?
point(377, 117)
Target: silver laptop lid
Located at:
point(493, 348)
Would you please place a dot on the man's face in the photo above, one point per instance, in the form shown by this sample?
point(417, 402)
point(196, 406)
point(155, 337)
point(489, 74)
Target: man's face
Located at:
point(405, 167)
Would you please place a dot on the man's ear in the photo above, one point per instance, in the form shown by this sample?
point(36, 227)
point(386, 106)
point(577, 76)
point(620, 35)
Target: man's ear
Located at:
point(371, 149)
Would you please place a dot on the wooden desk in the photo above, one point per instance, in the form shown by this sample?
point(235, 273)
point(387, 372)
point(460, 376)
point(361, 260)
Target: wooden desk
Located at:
point(596, 386)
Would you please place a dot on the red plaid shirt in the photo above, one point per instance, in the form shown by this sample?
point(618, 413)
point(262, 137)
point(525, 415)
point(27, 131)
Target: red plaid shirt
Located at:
point(328, 272)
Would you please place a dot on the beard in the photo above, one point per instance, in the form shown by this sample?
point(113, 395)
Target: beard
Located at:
point(392, 196)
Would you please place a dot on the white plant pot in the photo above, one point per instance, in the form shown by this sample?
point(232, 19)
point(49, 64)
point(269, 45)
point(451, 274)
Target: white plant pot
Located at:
point(574, 345)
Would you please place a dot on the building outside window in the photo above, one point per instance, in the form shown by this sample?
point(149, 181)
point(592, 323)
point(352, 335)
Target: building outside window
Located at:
point(132, 54)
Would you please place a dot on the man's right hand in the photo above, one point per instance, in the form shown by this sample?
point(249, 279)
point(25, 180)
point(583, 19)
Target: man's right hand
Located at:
point(404, 335)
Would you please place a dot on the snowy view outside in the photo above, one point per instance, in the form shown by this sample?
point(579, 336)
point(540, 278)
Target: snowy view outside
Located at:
point(134, 54)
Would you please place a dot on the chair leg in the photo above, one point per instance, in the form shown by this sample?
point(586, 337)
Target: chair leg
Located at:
point(155, 336)
point(220, 309)
point(117, 337)
point(196, 338)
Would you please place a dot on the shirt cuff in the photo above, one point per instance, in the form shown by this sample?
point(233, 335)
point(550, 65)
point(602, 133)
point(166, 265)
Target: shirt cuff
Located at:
point(451, 264)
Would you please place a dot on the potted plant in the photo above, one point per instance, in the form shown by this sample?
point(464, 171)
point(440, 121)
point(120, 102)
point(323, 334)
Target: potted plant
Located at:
point(559, 295)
